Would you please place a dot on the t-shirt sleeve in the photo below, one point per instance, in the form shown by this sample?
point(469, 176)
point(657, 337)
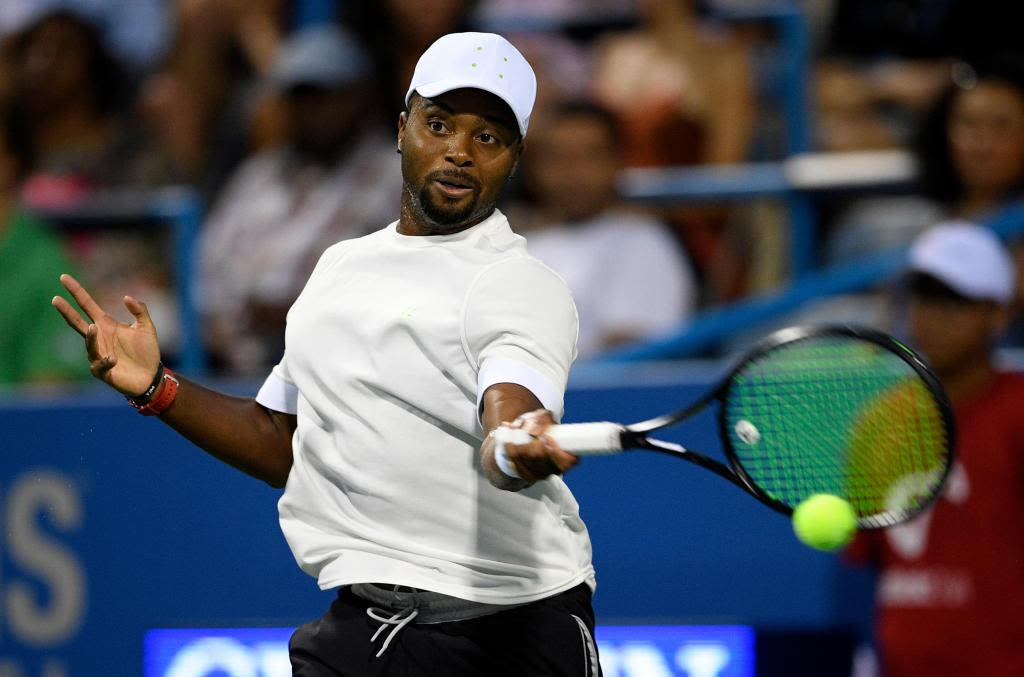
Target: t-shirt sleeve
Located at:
point(278, 392)
point(520, 326)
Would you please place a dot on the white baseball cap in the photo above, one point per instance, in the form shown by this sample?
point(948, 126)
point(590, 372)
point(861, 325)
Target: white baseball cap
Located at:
point(967, 258)
point(480, 61)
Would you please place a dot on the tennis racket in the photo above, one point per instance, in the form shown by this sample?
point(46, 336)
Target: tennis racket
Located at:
point(828, 409)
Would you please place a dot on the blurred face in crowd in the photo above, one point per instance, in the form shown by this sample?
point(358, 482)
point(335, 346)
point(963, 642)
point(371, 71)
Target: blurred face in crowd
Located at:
point(420, 28)
point(208, 18)
point(459, 150)
point(323, 121)
point(55, 65)
point(986, 137)
point(573, 166)
point(953, 332)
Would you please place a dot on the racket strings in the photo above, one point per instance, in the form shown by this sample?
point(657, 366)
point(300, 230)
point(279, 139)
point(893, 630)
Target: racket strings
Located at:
point(842, 416)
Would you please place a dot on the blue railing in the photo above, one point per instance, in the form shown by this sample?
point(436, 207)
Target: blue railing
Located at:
point(716, 325)
point(181, 210)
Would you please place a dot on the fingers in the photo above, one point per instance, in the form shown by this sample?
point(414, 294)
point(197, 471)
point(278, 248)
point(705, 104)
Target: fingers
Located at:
point(139, 311)
point(540, 458)
point(99, 364)
point(70, 315)
point(543, 456)
point(537, 422)
point(82, 297)
point(93, 349)
point(92, 342)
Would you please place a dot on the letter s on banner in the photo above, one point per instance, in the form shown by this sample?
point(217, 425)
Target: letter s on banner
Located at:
point(31, 549)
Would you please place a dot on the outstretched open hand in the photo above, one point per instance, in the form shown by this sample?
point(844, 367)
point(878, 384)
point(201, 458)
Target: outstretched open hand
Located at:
point(125, 356)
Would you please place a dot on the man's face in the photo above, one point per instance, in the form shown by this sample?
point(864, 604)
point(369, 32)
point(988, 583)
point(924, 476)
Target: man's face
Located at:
point(954, 333)
point(458, 151)
point(573, 167)
point(55, 64)
point(986, 137)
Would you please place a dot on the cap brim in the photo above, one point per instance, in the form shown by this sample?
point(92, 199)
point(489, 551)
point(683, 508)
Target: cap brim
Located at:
point(949, 278)
point(433, 89)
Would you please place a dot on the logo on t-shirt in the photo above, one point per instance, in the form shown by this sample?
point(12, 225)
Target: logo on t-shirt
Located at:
point(925, 587)
point(910, 539)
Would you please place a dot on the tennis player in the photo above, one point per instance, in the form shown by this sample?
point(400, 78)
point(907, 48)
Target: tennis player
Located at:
point(405, 350)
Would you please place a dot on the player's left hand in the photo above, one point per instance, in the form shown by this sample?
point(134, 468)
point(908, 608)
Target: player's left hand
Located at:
point(543, 456)
point(125, 356)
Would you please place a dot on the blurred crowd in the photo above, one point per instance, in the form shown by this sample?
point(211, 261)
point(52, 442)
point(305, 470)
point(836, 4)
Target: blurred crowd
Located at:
point(282, 115)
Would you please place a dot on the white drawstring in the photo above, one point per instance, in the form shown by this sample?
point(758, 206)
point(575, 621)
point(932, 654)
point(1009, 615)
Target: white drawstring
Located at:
point(395, 620)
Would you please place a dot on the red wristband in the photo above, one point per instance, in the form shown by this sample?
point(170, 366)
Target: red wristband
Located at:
point(162, 398)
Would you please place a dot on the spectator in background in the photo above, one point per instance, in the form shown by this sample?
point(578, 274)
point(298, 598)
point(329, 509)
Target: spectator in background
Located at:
point(885, 61)
point(628, 275)
point(33, 348)
point(336, 176)
point(971, 158)
point(136, 30)
point(203, 103)
point(397, 32)
point(86, 145)
point(972, 142)
point(74, 93)
point(682, 88)
point(951, 581)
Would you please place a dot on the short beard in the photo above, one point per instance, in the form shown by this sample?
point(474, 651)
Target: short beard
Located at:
point(446, 220)
point(442, 216)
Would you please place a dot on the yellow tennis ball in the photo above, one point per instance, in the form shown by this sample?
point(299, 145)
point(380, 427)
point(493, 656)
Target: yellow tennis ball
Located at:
point(824, 522)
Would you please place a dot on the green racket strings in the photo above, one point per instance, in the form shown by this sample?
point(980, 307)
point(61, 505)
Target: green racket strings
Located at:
point(838, 415)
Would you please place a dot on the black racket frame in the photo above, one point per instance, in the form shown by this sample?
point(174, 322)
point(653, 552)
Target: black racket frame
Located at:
point(635, 435)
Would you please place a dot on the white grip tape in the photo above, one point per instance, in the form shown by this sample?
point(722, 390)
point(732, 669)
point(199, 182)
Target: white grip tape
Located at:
point(581, 439)
point(504, 435)
point(588, 439)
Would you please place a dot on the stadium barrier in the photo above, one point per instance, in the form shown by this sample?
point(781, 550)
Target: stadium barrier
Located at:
point(718, 324)
point(115, 526)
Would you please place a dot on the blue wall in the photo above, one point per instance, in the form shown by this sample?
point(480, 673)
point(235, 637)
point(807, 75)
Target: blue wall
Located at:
point(113, 525)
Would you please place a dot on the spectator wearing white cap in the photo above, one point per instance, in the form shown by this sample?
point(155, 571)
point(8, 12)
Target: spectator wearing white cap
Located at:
point(962, 284)
point(453, 555)
point(334, 177)
point(951, 585)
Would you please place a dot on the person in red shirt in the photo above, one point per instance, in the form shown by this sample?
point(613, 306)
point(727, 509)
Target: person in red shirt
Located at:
point(950, 589)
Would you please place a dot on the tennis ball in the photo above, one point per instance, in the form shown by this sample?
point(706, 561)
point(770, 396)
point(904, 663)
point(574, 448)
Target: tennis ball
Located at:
point(824, 522)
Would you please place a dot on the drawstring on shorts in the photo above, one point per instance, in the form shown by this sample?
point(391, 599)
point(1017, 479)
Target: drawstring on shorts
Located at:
point(398, 620)
point(398, 605)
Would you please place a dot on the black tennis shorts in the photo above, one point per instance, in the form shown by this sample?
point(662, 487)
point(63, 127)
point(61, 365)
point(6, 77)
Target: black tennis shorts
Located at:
point(552, 637)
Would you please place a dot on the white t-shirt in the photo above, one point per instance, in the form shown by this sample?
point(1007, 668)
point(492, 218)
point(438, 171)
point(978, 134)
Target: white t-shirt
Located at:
point(625, 271)
point(389, 349)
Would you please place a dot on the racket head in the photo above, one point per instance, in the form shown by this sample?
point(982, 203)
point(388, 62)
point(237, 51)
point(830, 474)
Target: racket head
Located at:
point(842, 410)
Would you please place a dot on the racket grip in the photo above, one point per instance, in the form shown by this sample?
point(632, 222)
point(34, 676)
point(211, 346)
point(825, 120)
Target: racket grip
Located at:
point(581, 439)
point(588, 439)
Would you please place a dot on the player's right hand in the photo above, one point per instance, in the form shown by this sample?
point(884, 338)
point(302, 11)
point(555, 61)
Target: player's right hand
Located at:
point(125, 356)
point(542, 456)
